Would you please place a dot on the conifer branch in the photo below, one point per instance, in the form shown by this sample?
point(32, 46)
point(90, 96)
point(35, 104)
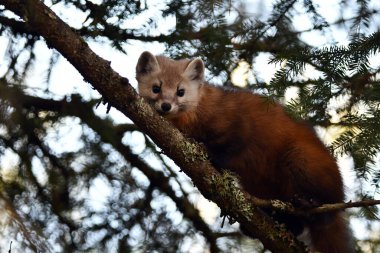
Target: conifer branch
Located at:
point(288, 207)
point(110, 134)
point(190, 156)
point(341, 206)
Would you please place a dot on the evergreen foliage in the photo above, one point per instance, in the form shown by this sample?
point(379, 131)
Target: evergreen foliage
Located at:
point(57, 151)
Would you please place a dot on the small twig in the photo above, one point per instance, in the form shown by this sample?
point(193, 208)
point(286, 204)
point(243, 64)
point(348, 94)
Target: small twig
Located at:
point(10, 248)
point(227, 234)
point(341, 206)
point(289, 207)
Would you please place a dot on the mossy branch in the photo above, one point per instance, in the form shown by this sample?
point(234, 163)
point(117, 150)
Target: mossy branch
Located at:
point(190, 156)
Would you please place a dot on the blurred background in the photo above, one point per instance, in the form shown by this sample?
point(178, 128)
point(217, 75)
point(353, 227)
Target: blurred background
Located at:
point(76, 178)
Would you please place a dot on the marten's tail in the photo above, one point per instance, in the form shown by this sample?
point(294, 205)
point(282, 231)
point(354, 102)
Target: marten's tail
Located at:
point(331, 234)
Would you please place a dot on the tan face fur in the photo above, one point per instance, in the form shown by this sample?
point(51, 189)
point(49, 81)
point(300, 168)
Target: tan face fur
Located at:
point(170, 86)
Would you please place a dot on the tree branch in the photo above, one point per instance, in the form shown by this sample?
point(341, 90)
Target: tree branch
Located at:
point(340, 206)
point(289, 208)
point(108, 134)
point(190, 156)
point(85, 113)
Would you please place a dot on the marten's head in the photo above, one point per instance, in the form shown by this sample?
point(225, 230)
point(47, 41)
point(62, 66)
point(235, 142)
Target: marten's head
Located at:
point(170, 86)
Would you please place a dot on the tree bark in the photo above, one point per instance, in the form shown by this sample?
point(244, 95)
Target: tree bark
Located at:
point(188, 155)
point(108, 134)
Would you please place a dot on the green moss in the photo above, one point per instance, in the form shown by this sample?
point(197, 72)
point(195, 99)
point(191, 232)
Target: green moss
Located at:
point(142, 106)
point(193, 151)
point(280, 205)
point(225, 185)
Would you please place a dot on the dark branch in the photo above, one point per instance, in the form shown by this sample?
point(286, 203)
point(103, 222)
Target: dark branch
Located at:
point(191, 157)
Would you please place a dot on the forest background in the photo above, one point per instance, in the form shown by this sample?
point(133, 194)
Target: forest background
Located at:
point(79, 176)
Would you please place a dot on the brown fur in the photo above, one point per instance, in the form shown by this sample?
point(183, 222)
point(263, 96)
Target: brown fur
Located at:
point(275, 156)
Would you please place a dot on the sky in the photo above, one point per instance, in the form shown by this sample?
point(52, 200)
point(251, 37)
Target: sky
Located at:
point(63, 83)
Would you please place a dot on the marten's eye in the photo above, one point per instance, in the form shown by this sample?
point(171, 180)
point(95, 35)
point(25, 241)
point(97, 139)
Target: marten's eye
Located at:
point(156, 89)
point(180, 92)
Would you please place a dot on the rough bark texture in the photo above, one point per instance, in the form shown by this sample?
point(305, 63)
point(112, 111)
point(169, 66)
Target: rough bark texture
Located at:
point(190, 156)
point(109, 134)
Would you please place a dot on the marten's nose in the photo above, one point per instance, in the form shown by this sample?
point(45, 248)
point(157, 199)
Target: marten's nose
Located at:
point(166, 107)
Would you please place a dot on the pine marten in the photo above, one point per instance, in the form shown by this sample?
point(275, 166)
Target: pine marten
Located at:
point(275, 156)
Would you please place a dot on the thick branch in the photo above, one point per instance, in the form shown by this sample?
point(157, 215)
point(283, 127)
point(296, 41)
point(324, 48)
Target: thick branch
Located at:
point(109, 134)
point(190, 156)
point(17, 27)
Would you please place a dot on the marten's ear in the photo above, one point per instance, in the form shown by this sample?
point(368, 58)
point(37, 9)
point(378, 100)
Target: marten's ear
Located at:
point(146, 64)
point(195, 70)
